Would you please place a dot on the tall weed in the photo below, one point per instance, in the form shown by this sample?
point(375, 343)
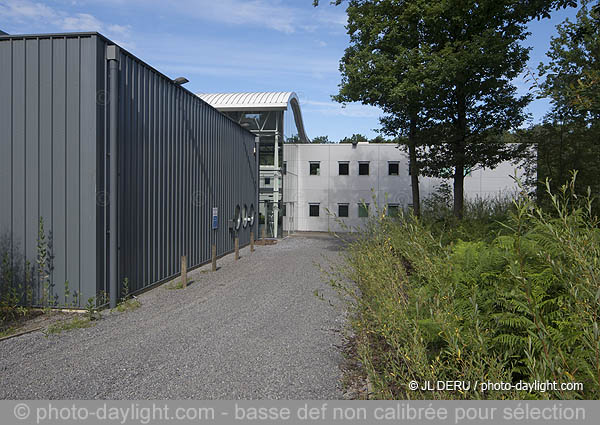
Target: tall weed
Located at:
point(516, 299)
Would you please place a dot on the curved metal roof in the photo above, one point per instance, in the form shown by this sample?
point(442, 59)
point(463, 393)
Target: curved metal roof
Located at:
point(247, 101)
point(258, 101)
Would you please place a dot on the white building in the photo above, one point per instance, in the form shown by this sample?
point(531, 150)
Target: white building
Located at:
point(303, 185)
point(276, 119)
point(325, 181)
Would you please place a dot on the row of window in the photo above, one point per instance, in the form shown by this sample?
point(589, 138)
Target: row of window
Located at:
point(363, 168)
point(343, 210)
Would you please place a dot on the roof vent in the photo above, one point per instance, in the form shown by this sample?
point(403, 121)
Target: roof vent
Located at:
point(181, 81)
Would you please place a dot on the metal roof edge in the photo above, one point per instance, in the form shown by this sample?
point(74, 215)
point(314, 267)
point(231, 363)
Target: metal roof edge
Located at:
point(125, 51)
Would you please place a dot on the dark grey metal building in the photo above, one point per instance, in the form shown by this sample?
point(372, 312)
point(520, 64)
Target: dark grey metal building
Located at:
point(178, 159)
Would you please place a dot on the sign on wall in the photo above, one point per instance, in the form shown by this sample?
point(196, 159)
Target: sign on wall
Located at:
point(215, 218)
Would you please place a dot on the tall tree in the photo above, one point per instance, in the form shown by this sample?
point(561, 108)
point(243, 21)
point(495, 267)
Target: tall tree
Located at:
point(384, 67)
point(442, 72)
point(572, 75)
point(571, 139)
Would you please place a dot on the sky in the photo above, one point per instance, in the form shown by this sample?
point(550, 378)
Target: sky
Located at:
point(241, 45)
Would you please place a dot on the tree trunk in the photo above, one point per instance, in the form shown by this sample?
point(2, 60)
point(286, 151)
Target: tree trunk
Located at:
point(459, 189)
point(414, 167)
point(459, 154)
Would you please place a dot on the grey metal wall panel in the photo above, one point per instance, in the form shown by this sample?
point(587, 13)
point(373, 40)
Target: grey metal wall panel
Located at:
point(178, 158)
point(18, 143)
point(5, 136)
point(88, 181)
point(48, 151)
point(102, 178)
point(46, 132)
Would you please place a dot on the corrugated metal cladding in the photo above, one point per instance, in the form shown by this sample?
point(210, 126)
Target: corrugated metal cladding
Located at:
point(178, 158)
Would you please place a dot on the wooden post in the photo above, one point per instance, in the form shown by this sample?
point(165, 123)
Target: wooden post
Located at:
point(214, 258)
point(237, 248)
point(184, 271)
point(251, 241)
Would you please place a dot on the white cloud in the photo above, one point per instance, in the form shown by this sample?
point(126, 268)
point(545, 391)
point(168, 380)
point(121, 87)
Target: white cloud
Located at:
point(81, 22)
point(276, 15)
point(356, 110)
point(255, 12)
point(37, 15)
point(182, 54)
point(332, 15)
point(21, 10)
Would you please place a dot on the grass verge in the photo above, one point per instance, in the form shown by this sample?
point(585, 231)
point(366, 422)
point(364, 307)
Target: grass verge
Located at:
point(511, 295)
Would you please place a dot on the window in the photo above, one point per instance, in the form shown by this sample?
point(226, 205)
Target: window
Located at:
point(313, 210)
point(363, 168)
point(284, 210)
point(267, 180)
point(393, 210)
point(315, 168)
point(344, 168)
point(393, 168)
point(363, 210)
point(342, 210)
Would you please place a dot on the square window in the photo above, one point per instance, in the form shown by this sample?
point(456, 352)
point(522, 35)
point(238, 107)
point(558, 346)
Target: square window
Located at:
point(315, 168)
point(363, 210)
point(363, 168)
point(342, 210)
point(267, 180)
point(313, 210)
point(393, 168)
point(344, 168)
point(393, 210)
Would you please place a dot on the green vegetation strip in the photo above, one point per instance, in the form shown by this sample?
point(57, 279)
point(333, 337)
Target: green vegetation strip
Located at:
point(510, 294)
point(7, 334)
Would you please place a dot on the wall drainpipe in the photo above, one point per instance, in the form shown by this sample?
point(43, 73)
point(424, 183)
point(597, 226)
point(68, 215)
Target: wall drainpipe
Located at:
point(112, 56)
point(257, 204)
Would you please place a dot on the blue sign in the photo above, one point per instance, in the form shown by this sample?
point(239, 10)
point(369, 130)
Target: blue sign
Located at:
point(215, 218)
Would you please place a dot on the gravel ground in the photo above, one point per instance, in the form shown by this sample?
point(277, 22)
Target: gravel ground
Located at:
point(252, 330)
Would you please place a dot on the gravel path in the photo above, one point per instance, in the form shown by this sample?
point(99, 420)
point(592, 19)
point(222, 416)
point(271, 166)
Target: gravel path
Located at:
point(254, 329)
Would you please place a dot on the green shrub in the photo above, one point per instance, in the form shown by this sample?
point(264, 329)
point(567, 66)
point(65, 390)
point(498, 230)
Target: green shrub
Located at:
point(24, 282)
point(516, 299)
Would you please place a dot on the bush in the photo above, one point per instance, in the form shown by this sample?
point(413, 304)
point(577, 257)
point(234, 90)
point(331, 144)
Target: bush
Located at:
point(25, 283)
point(16, 281)
point(508, 295)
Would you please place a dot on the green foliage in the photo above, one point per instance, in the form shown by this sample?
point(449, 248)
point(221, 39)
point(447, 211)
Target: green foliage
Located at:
point(125, 290)
point(568, 139)
point(508, 294)
point(91, 311)
point(178, 284)
point(67, 325)
point(128, 305)
point(359, 138)
point(321, 140)
point(572, 76)
point(563, 146)
point(355, 138)
point(442, 73)
point(23, 284)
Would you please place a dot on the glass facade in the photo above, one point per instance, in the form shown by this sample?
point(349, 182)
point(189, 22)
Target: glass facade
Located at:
point(274, 128)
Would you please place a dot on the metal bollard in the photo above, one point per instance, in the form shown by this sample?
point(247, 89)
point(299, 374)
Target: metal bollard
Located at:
point(214, 258)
